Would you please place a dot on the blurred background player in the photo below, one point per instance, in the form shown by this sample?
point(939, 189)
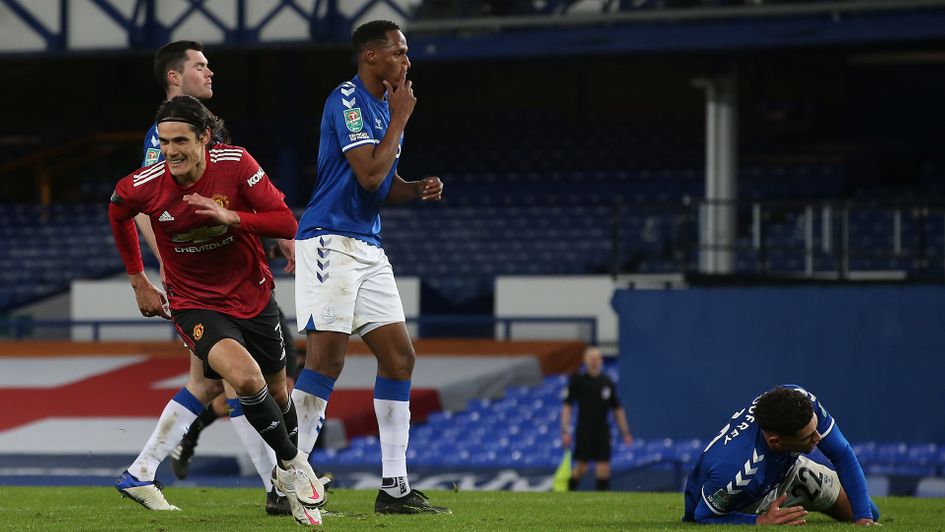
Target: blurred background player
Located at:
point(181, 68)
point(344, 282)
point(754, 471)
point(595, 395)
point(211, 201)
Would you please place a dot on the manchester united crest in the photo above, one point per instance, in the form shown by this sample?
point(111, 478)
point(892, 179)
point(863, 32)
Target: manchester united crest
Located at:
point(222, 200)
point(198, 331)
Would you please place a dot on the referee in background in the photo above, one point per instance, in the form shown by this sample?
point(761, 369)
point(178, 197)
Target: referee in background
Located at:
point(594, 394)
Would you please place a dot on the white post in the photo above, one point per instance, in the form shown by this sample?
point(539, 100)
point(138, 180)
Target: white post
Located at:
point(717, 235)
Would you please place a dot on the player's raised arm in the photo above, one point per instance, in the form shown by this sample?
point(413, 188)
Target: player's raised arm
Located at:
point(382, 67)
point(372, 162)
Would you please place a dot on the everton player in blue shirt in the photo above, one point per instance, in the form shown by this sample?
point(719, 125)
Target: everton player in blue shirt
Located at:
point(754, 471)
point(344, 283)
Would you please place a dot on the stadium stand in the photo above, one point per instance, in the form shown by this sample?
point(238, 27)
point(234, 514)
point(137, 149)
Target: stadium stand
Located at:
point(537, 223)
point(606, 176)
point(521, 431)
point(46, 248)
point(497, 428)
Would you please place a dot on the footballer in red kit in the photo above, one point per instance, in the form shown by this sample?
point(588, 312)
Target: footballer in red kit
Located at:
point(208, 202)
point(204, 259)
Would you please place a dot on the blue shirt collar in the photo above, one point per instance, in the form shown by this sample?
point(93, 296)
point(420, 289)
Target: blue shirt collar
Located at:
point(360, 84)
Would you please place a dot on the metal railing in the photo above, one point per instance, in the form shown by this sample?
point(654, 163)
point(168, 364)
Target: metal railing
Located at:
point(839, 240)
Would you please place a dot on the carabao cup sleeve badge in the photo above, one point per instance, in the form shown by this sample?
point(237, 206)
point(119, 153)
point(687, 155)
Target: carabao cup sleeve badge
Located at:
point(353, 119)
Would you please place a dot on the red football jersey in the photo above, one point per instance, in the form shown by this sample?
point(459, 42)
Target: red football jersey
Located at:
point(207, 265)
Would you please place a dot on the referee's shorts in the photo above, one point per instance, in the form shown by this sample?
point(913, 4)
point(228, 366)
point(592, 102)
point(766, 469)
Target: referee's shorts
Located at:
point(592, 445)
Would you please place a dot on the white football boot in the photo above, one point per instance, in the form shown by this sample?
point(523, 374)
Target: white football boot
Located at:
point(147, 493)
point(287, 480)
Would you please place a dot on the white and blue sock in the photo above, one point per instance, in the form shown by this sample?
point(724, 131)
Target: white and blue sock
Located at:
point(310, 396)
point(392, 406)
point(262, 456)
point(174, 422)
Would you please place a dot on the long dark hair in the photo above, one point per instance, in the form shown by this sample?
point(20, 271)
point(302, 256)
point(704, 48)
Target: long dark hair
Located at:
point(193, 112)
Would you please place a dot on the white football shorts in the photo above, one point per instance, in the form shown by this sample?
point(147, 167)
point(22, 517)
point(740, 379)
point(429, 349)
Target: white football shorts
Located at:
point(809, 484)
point(344, 285)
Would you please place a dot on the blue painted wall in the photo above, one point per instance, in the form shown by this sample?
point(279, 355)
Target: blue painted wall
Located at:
point(874, 355)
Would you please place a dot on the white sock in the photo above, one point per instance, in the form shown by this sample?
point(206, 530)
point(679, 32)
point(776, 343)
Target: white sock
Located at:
point(310, 410)
point(174, 422)
point(263, 457)
point(393, 423)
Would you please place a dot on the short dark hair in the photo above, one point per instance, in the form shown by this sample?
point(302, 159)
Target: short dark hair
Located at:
point(783, 411)
point(370, 32)
point(193, 112)
point(171, 56)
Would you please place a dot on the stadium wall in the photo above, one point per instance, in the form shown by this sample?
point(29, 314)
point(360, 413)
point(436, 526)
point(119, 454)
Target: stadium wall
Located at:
point(872, 354)
point(112, 299)
point(538, 296)
point(572, 295)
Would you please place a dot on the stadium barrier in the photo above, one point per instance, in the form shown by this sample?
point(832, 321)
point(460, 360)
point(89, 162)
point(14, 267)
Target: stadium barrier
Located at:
point(871, 353)
point(23, 328)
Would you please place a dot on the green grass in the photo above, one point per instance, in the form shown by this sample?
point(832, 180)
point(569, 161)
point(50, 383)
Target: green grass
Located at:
point(213, 509)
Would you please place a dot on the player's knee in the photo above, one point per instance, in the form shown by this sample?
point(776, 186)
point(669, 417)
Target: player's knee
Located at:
point(326, 365)
point(204, 390)
point(400, 365)
point(219, 406)
point(246, 383)
point(328, 360)
point(280, 395)
point(398, 372)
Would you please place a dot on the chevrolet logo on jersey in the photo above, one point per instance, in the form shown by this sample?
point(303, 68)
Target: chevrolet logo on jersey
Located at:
point(200, 234)
point(205, 247)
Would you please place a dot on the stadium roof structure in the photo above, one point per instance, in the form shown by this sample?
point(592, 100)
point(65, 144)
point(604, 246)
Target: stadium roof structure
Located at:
point(471, 29)
point(697, 29)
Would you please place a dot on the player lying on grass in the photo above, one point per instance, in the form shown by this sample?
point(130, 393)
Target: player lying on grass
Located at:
point(754, 471)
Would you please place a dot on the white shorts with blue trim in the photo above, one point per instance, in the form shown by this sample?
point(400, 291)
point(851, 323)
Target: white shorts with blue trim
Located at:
point(344, 285)
point(809, 484)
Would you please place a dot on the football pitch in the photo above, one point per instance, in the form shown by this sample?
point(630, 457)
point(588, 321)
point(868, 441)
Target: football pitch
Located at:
point(96, 509)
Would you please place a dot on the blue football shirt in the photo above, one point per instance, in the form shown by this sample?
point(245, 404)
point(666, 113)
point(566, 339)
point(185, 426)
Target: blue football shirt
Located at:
point(152, 147)
point(737, 469)
point(339, 205)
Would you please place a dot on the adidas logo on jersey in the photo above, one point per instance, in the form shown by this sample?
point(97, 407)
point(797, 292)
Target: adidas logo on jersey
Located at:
point(166, 217)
